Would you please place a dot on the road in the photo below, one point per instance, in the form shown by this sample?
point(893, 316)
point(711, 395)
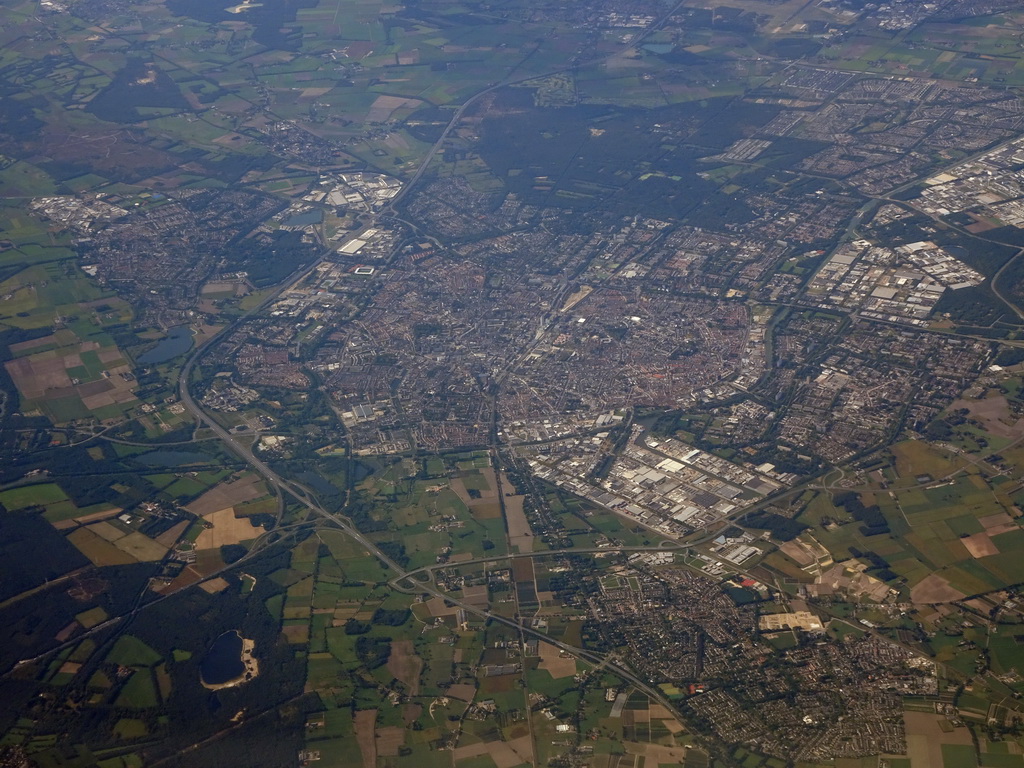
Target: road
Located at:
point(409, 582)
point(429, 569)
point(994, 284)
point(405, 581)
point(415, 586)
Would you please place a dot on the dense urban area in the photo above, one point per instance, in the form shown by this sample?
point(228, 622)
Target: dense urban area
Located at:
point(459, 384)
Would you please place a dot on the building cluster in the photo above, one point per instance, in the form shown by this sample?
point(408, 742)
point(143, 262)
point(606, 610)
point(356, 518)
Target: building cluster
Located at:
point(664, 484)
point(744, 422)
point(228, 396)
point(372, 243)
point(679, 629)
point(625, 20)
point(324, 298)
point(364, 192)
point(736, 546)
point(940, 265)
point(743, 151)
point(451, 207)
point(692, 260)
point(897, 15)
point(813, 84)
point(79, 214)
point(901, 285)
point(291, 139)
point(885, 132)
point(165, 249)
point(436, 330)
point(858, 391)
point(269, 366)
point(616, 349)
point(985, 188)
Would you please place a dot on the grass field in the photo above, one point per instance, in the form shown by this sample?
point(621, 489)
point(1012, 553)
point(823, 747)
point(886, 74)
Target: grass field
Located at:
point(129, 651)
point(139, 692)
point(916, 457)
point(92, 617)
point(130, 728)
point(958, 531)
point(98, 550)
point(78, 376)
point(41, 495)
point(357, 633)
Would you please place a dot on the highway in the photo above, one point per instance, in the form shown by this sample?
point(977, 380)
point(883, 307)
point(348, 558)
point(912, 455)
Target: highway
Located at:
point(404, 581)
point(414, 585)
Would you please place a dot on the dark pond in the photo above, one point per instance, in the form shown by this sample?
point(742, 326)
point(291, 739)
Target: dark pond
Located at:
point(223, 662)
point(173, 458)
point(360, 471)
point(317, 483)
point(178, 342)
point(304, 219)
point(742, 596)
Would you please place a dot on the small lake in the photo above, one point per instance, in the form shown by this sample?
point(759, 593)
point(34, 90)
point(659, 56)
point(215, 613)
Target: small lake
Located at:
point(173, 458)
point(317, 483)
point(742, 596)
point(360, 471)
point(178, 342)
point(304, 219)
point(223, 662)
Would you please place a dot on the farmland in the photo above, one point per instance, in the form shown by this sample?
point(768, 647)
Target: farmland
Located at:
point(423, 654)
point(76, 370)
point(305, 307)
point(950, 525)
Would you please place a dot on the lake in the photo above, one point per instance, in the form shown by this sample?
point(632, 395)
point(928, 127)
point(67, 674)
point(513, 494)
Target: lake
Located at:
point(223, 662)
point(178, 342)
point(173, 458)
point(317, 483)
point(304, 219)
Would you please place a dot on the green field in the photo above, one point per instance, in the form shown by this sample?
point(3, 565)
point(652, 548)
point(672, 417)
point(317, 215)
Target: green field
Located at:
point(139, 692)
point(41, 495)
point(129, 651)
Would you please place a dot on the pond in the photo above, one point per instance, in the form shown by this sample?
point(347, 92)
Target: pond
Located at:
point(360, 471)
point(177, 342)
point(304, 219)
point(317, 483)
point(173, 458)
point(223, 662)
